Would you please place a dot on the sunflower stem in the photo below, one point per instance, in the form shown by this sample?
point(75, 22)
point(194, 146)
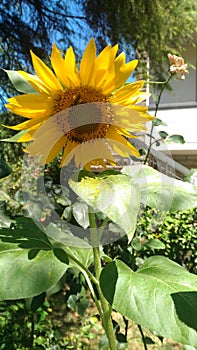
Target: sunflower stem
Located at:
point(106, 308)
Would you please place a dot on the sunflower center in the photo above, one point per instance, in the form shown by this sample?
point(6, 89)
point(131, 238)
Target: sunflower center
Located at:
point(83, 114)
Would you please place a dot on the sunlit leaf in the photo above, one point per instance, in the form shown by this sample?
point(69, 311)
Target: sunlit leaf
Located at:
point(176, 139)
point(20, 83)
point(114, 195)
point(161, 191)
point(80, 213)
point(161, 296)
point(157, 122)
point(16, 137)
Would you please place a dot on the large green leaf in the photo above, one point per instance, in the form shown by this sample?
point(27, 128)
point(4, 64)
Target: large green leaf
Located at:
point(67, 236)
point(28, 265)
point(114, 195)
point(161, 191)
point(85, 256)
point(19, 83)
point(161, 296)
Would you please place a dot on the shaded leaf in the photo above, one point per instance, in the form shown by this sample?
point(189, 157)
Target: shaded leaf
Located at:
point(61, 255)
point(163, 134)
point(5, 169)
point(24, 278)
point(37, 301)
point(28, 265)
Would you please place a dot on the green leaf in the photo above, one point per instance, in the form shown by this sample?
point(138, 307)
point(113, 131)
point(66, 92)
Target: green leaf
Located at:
point(114, 195)
point(157, 122)
point(163, 134)
point(80, 213)
point(136, 244)
point(23, 276)
point(161, 191)
point(175, 138)
point(5, 169)
point(85, 256)
point(78, 304)
point(155, 243)
point(191, 176)
point(161, 296)
point(16, 137)
point(61, 255)
point(62, 237)
point(67, 213)
point(20, 83)
point(37, 301)
point(5, 220)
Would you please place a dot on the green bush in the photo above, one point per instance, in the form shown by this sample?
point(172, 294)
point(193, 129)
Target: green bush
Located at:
point(176, 230)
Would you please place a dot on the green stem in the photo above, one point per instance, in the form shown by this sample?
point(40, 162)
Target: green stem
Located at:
point(155, 114)
point(83, 268)
point(106, 316)
point(156, 82)
point(106, 308)
point(102, 227)
point(92, 291)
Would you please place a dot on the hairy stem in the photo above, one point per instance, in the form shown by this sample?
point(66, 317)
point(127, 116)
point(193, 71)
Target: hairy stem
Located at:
point(155, 114)
point(106, 308)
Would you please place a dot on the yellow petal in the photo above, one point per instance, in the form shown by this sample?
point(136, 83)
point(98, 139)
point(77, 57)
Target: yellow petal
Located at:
point(126, 92)
point(59, 66)
point(29, 124)
point(71, 71)
point(88, 63)
point(68, 154)
point(26, 137)
point(42, 146)
point(89, 151)
point(104, 67)
point(31, 105)
point(103, 59)
point(125, 115)
point(120, 61)
point(120, 76)
point(120, 144)
point(45, 74)
point(54, 151)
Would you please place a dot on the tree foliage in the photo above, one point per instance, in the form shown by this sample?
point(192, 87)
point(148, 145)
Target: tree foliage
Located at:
point(151, 27)
point(35, 25)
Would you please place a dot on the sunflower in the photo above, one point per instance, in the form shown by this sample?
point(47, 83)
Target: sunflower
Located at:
point(88, 112)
